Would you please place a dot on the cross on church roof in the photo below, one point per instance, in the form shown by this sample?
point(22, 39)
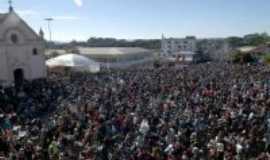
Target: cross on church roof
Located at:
point(10, 5)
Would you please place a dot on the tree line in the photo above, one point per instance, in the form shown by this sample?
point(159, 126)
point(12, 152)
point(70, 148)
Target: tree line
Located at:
point(110, 42)
point(250, 39)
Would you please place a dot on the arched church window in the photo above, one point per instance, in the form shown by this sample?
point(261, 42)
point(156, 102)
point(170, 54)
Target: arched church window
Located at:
point(14, 38)
point(35, 51)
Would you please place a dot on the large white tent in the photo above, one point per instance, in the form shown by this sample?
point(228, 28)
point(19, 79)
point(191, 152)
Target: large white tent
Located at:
point(74, 61)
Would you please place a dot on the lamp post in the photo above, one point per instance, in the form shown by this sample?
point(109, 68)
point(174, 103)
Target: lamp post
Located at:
point(49, 20)
point(10, 5)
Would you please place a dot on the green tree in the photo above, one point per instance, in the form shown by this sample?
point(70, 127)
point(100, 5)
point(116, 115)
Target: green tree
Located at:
point(236, 41)
point(239, 57)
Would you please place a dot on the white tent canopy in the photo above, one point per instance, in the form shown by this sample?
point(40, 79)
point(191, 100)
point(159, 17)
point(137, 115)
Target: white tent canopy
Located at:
point(75, 61)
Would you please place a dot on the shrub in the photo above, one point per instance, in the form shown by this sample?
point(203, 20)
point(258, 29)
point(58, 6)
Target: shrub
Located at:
point(239, 57)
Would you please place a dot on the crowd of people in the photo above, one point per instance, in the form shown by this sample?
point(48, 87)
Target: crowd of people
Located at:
point(212, 111)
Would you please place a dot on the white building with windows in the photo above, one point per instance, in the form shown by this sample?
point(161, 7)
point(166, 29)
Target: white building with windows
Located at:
point(21, 50)
point(183, 48)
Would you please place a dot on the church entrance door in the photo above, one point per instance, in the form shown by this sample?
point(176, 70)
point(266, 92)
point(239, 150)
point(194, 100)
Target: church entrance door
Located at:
point(18, 77)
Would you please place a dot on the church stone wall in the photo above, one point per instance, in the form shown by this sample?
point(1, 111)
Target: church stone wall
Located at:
point(3, 66)
point(37, 63)
point(18, 59)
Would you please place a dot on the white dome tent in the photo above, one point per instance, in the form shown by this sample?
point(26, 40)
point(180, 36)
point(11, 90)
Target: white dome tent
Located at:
point(75, 62)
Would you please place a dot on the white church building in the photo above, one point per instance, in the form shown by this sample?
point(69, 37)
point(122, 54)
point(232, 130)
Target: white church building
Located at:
point(21, 51)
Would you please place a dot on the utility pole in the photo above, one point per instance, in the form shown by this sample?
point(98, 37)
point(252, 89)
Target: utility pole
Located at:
point(49, 20)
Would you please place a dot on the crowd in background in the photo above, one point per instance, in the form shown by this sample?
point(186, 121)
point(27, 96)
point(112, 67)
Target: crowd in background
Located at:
point(207, 111)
